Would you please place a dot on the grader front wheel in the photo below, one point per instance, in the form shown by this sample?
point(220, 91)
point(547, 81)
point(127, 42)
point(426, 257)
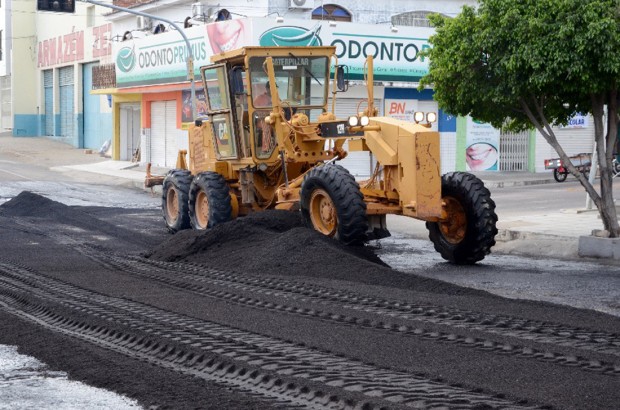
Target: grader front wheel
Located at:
point(323, 213)
point(454, 228)
point(468, 232)
point(331, 203)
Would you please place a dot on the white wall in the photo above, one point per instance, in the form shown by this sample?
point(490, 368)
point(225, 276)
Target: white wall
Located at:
point(372, 11)
point(5, 27)
point(573, 140)
point(178, 10)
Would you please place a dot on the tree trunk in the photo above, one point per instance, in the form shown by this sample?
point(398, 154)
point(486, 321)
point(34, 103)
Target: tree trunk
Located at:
point(539, 121)
point(607, 207)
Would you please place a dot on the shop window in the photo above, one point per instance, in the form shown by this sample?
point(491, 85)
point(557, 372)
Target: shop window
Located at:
point(331, 12)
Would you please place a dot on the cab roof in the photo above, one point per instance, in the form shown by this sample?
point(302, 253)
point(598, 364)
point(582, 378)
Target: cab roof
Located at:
point(254, 51)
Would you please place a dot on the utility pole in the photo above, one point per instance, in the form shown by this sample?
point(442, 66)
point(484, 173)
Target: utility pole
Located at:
point(190, 53)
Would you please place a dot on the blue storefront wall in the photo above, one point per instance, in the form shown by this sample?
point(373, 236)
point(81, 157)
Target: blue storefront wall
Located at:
point(446, 122)
point(27, 125)
point(97, 123)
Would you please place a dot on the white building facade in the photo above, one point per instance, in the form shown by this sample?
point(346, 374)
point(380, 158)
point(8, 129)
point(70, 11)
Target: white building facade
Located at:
point(60, 74)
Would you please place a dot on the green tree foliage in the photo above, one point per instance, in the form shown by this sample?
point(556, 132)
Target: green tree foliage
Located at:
point(518, 64)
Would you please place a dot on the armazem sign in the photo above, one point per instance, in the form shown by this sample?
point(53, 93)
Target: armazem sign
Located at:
point(162, 58)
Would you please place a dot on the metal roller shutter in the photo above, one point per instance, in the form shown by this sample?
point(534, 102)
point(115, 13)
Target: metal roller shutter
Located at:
point(163, 134)
point(158, 133)
point(573, 140)
point(48, 88)
point(172, 148)
point(66, 89)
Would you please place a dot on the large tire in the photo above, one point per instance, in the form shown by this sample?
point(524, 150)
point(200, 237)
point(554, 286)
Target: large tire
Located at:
point(331, 203)
point(559, 176)
point(175, 199)
point(468, 234)
point(209, 201)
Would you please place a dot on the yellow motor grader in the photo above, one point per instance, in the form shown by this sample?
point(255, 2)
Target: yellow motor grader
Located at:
point(270, 140)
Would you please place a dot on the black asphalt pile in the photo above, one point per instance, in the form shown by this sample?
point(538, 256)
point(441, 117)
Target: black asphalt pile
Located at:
point(276, 242)
point(30, 206)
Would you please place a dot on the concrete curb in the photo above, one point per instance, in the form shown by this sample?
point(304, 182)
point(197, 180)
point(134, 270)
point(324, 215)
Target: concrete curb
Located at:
point(599, 247)
point(508, 184)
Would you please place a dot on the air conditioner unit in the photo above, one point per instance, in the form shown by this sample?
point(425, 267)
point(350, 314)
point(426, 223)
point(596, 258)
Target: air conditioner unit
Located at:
point(143, 23)
point(300, 4)
point(200, 12)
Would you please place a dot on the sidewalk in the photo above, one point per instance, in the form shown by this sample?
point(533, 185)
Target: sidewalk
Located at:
point(555, 233)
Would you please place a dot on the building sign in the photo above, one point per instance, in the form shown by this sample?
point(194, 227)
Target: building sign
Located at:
point(401, 109)
point(159, 59)
point(395, 54)
point(577, 121)
point(482, 152)
point(69, 48)
point(162, 58)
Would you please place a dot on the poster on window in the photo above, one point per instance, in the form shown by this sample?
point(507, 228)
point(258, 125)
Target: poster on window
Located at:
point(201, 105)
point(482, 152)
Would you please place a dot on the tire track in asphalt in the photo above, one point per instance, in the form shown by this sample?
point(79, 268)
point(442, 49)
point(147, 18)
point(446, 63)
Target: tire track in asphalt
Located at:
point(280, 370)
point(244, 291)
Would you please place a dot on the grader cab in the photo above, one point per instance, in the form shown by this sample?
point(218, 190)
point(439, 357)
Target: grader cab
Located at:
point(270, 140)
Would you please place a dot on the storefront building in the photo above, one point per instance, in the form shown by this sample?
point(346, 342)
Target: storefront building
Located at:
point(46, 65)
point(83, 88)
point(159, 67)
point(156, 66)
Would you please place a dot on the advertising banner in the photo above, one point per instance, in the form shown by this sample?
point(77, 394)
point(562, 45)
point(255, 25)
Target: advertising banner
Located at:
point(577, 121)
point(401, 109)
point(162, 58)
point(159, 58)
point(482, 152)
point(395, 53)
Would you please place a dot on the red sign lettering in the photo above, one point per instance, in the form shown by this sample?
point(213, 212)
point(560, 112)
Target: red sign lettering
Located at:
point(397, 108)
point(64, 49)
point(101, 46)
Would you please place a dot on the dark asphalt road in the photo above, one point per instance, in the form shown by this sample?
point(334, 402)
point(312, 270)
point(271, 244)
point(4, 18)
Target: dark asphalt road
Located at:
point(266, 314)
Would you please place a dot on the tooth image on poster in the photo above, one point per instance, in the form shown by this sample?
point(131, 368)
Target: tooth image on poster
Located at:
point(482, 142)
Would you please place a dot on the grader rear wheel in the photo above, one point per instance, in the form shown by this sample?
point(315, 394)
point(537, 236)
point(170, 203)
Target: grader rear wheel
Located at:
point(174, 200)
point(209, 201)
point(468, 233)
point(331, 203)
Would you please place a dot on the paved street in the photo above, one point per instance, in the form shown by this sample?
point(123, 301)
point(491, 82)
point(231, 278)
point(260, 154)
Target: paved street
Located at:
point(279, 291)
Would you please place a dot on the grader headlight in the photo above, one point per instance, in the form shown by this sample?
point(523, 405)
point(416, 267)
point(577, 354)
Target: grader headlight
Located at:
point(424, 118)
point(353, 121)
point(364, 120)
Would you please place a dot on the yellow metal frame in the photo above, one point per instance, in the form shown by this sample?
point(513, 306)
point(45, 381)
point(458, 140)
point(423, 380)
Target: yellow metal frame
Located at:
point(407, 180)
